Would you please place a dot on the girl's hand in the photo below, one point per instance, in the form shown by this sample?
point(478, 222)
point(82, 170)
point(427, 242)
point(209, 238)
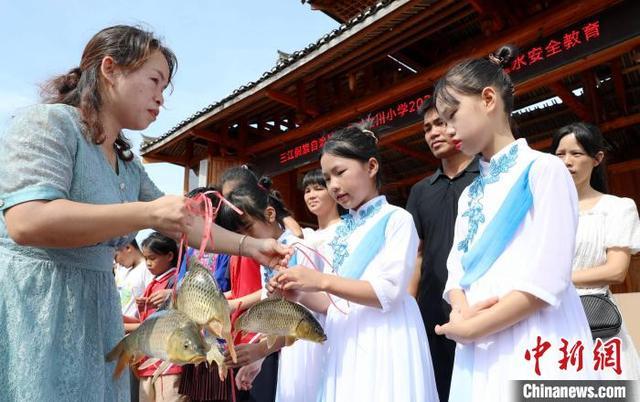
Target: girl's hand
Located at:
point(247, 353)
point(158, 298)
point(459, 314)
point(248, 373)
point(459, 332)
point(267, 252)
point(274, 289)
point(300, 278)
point(169, 215)
point(142, 301)
point(458, 328)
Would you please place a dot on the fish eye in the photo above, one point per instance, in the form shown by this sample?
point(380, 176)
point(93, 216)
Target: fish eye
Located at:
point(186, 345)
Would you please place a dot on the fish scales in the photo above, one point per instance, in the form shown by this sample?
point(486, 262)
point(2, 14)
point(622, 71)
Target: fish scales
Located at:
point(283, 318)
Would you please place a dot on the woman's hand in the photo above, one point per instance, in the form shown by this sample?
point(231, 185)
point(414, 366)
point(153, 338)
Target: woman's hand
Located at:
point(267, 252)
point(170, 215)
point(300, 278)
point(248, 373)
point(246, 354)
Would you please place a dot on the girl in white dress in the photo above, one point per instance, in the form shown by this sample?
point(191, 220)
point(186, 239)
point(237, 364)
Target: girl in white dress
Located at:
point(608, 227)
point(377, 348)
point(509, 281)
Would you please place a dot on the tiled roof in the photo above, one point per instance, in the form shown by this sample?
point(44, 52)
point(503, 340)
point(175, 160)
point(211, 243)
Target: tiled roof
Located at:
point(280, 66)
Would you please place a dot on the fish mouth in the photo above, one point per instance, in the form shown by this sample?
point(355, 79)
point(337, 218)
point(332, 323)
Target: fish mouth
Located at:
point(197, 359)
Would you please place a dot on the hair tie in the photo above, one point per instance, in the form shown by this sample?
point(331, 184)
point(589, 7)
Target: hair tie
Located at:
point(495, 60)
point(370, 134)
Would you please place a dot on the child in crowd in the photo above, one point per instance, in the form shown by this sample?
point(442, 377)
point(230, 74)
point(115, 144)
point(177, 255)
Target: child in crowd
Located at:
point(161, 255)
point(299, 364)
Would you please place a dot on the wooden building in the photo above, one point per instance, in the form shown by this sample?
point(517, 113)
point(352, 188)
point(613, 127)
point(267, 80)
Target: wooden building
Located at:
point(578, 61)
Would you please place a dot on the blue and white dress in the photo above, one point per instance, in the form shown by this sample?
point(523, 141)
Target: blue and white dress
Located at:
point(59, 308)
point(536, 259)
point(377, 354)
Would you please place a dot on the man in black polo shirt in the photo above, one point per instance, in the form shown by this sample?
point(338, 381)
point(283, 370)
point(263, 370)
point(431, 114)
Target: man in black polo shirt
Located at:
point(433, 202)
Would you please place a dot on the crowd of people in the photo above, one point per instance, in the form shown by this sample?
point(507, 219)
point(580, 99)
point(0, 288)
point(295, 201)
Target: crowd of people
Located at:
point(441, 301)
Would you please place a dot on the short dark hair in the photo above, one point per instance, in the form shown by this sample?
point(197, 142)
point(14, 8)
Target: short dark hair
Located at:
point(591, 139)
point(313, 177)
point(427, 105)
point(163, 245)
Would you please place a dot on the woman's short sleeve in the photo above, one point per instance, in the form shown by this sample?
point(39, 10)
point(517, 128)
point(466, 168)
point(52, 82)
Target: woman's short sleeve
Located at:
point(623, 225)
point(38, 155)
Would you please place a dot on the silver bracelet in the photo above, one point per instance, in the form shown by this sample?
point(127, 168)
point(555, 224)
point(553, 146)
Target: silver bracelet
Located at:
point(240, 245)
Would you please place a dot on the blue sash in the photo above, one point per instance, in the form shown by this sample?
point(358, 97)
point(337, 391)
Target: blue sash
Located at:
point(499, 232)
point(356, 263)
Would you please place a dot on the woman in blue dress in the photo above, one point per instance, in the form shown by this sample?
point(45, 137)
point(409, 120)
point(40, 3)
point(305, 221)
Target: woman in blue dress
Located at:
point(71, 193)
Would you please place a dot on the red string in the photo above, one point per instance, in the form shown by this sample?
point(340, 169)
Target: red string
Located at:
point(300, 247)
point(209, 214)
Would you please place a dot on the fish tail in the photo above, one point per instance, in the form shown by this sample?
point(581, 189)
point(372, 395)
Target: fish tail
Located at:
point(119, 352)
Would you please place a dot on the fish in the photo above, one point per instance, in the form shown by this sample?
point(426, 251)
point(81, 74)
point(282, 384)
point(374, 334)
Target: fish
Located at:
point(167, 335)
point(214, 354)
point(200, 299)
point(279, 317)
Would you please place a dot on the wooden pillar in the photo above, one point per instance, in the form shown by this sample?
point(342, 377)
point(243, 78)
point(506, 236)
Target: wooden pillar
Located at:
point(187, 167)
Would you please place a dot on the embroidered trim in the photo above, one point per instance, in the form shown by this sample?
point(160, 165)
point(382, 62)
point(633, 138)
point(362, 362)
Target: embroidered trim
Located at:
point(345, 228)
point(475, 211)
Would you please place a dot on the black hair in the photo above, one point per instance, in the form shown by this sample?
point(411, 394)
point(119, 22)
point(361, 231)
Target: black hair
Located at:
point(252, 200)
point(245, 176)
point(427, 105)
point(592, 141)
point(200, 190)
point(134, 244)
point(313, 177)
point(275, 198)
point(356, 143)
point(241, 174)
point(163, 245)
point(470, 77)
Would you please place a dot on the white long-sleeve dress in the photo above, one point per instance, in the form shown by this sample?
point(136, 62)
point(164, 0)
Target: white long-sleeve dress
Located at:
point(378, 354)
point(537, 260)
